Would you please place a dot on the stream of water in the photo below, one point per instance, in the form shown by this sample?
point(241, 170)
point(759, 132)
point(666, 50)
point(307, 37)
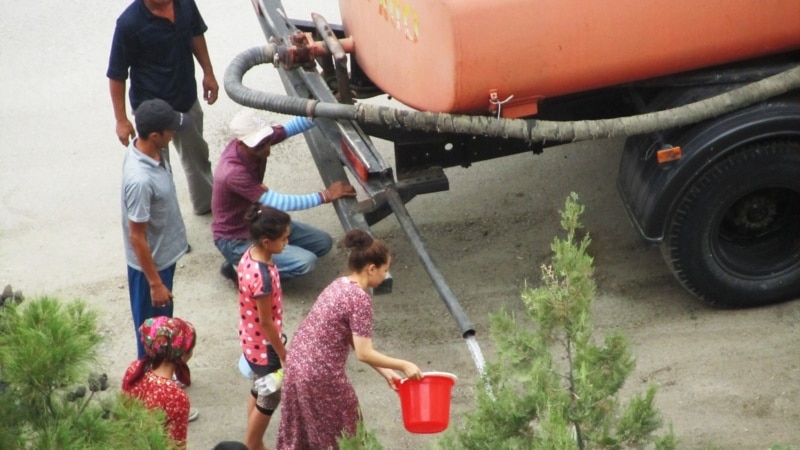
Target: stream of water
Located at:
point(480, 363)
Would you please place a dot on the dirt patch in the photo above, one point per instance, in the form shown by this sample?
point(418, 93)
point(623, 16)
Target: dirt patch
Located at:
point(726, 378)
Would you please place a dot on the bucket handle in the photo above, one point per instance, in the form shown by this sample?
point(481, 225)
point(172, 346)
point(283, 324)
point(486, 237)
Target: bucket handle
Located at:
point(430, 374)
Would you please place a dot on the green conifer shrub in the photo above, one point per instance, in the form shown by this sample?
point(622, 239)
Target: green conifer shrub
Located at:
point(553, 384)
point(362, 439)
point(52, 396)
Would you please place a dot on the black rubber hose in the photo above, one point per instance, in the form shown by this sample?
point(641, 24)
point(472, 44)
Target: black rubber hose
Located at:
point(278, 103)
point(527, 130)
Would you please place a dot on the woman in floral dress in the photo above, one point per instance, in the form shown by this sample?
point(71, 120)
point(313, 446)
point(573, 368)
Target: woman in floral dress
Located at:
point(319, 403)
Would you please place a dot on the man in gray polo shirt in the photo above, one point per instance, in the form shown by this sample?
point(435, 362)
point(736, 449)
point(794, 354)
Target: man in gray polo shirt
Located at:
point(153, 229)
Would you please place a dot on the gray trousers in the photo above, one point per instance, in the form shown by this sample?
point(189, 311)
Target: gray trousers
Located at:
point(193, 151)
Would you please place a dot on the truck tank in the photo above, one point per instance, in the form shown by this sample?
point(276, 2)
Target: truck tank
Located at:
point(457, 56)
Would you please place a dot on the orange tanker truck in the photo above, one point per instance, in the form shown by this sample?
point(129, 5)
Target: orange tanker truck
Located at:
point(706, 91)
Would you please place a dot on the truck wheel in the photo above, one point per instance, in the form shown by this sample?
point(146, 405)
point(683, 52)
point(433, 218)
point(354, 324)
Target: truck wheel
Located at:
point(734, 239)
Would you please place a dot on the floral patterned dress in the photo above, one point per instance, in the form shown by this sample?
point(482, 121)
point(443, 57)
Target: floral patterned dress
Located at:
point(163, 393)
point(318, 401)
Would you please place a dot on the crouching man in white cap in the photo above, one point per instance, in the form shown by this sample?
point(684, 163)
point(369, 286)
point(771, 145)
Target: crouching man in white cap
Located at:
point(239, 182)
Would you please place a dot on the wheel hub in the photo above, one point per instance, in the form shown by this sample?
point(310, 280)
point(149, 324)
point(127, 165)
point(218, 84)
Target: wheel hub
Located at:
point(755, 213)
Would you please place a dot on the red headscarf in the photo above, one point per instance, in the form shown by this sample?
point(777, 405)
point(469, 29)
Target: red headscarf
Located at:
point(164, 339)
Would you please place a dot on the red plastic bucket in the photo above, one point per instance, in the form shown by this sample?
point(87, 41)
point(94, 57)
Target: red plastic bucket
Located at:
point(426, 403)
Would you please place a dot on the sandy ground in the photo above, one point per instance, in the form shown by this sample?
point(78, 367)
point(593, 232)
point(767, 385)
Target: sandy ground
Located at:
point(727, 378)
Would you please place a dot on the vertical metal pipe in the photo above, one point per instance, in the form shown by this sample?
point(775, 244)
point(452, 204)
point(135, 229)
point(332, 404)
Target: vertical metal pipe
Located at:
point(446, 294)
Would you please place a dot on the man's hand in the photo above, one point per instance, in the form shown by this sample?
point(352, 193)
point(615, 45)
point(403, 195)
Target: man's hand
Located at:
point(125, 132)
point(339, 189)
point(160, 295)
point(210, 89)
point(200, 52)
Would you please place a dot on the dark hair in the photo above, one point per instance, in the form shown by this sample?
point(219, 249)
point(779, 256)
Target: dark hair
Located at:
point(266, 222)
point(156, 116)
point(365, 250)
point(230, 445)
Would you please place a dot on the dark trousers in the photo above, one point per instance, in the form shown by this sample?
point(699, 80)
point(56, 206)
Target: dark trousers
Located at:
point(141, 302)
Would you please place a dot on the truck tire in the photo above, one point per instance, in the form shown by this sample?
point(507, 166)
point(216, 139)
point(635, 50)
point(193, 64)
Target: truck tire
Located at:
point(734, 238)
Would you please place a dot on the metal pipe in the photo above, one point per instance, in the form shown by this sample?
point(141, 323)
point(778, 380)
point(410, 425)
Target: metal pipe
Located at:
point(328, 37)
point(335, 48)
point(414, 237)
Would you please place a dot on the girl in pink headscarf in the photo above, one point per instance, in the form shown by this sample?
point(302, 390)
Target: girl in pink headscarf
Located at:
point(168, 343)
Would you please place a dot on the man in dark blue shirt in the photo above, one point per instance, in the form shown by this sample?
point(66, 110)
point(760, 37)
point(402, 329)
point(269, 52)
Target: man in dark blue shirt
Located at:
point(155, 42)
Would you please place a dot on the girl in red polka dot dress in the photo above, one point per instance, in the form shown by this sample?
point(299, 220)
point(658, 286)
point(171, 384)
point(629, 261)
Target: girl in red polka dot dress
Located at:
point(261, 313)
point(168, 344)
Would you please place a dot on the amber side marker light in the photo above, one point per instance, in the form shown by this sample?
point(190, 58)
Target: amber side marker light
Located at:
point(668, 154)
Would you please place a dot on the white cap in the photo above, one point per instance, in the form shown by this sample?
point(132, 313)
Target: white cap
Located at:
point(249, 127)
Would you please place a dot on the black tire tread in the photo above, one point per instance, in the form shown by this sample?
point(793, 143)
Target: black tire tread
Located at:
point(747, 156)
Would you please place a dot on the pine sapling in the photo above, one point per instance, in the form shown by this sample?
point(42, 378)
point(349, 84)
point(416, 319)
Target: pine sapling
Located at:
point(362, 439)
point(552, 384)
point(50, 396)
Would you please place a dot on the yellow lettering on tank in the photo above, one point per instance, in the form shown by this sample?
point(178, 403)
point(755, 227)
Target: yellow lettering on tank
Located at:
point(401, 16)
